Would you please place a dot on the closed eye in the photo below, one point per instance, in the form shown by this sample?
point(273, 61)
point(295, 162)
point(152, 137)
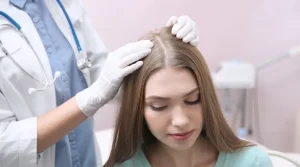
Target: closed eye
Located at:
point(193, 102)
point(158, 108)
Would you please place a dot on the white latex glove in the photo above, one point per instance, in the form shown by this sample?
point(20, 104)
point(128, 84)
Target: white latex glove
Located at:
point(184, 28)
point(117, 65)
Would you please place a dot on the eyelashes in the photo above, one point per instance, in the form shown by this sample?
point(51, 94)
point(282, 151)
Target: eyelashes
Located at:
point(158, 108)
point(161, 108)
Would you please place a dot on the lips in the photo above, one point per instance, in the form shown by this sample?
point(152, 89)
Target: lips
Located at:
point(182, 136)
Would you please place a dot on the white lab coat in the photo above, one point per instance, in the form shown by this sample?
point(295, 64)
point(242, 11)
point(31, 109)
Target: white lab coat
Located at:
point(18, 109)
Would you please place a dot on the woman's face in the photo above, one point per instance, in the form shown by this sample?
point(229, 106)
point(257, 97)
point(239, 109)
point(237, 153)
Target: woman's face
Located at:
point(173, 107)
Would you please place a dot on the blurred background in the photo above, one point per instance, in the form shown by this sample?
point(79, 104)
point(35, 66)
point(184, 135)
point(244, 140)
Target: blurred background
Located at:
point(250, 32)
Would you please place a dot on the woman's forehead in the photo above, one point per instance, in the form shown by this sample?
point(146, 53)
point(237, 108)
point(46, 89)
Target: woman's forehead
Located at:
point(170, 81)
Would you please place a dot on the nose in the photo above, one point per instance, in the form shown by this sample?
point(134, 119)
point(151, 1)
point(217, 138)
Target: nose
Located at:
point(180, 118)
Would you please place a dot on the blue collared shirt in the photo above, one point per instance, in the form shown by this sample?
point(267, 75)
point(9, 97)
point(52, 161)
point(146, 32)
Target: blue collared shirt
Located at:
point(77, 148)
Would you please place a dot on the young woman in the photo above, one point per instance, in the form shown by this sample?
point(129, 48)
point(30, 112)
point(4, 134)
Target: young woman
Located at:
point(170, 115)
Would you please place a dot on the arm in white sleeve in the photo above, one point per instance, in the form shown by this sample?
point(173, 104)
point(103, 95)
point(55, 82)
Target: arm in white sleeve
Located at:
point(22, 140)
point(18, 139)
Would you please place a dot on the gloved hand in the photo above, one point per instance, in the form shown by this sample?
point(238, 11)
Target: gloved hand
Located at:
point(184, 28)
point(117, 65)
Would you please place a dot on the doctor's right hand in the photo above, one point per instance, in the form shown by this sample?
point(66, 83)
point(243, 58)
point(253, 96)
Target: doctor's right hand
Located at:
point(118, 64)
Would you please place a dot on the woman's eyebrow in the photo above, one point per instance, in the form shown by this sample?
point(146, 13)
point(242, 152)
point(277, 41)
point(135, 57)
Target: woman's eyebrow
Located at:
point(157, 98)
point(191, 92)
point(167, 98)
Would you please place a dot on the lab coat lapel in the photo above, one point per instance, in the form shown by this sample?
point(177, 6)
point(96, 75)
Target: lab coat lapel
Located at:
point(25, 57)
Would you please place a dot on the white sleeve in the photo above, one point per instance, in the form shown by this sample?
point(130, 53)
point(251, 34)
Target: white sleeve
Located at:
point(18, 139)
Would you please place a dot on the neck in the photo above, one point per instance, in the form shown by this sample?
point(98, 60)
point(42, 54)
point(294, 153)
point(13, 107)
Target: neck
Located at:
point(201, 153)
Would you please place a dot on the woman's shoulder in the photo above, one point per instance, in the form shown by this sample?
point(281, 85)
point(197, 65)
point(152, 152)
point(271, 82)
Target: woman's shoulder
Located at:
point(249, 156)
point(138, 160)
point(128, 163)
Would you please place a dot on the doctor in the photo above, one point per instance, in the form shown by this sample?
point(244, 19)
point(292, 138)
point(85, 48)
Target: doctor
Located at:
point(55, 73)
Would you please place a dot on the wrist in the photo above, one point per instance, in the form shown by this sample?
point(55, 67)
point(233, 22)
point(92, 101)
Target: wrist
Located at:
point(88, 102)
point(94, 97)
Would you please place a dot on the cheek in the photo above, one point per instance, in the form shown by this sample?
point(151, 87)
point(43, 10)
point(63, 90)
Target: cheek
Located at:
point(156, 121)
point(196, 115)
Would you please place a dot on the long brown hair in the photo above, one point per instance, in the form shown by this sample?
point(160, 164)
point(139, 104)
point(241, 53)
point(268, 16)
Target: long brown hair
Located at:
point(131, 131)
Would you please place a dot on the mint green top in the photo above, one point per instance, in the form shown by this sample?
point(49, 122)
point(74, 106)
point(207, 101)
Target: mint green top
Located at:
point(246, 157)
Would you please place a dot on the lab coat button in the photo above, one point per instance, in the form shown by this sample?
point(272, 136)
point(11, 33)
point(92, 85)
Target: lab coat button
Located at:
point(36, 19)
point(72, 136)
point(64, 78)
point(49, 50)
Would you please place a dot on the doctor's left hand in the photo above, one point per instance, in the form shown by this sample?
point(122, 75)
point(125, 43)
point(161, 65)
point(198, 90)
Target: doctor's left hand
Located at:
point(118, 64)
